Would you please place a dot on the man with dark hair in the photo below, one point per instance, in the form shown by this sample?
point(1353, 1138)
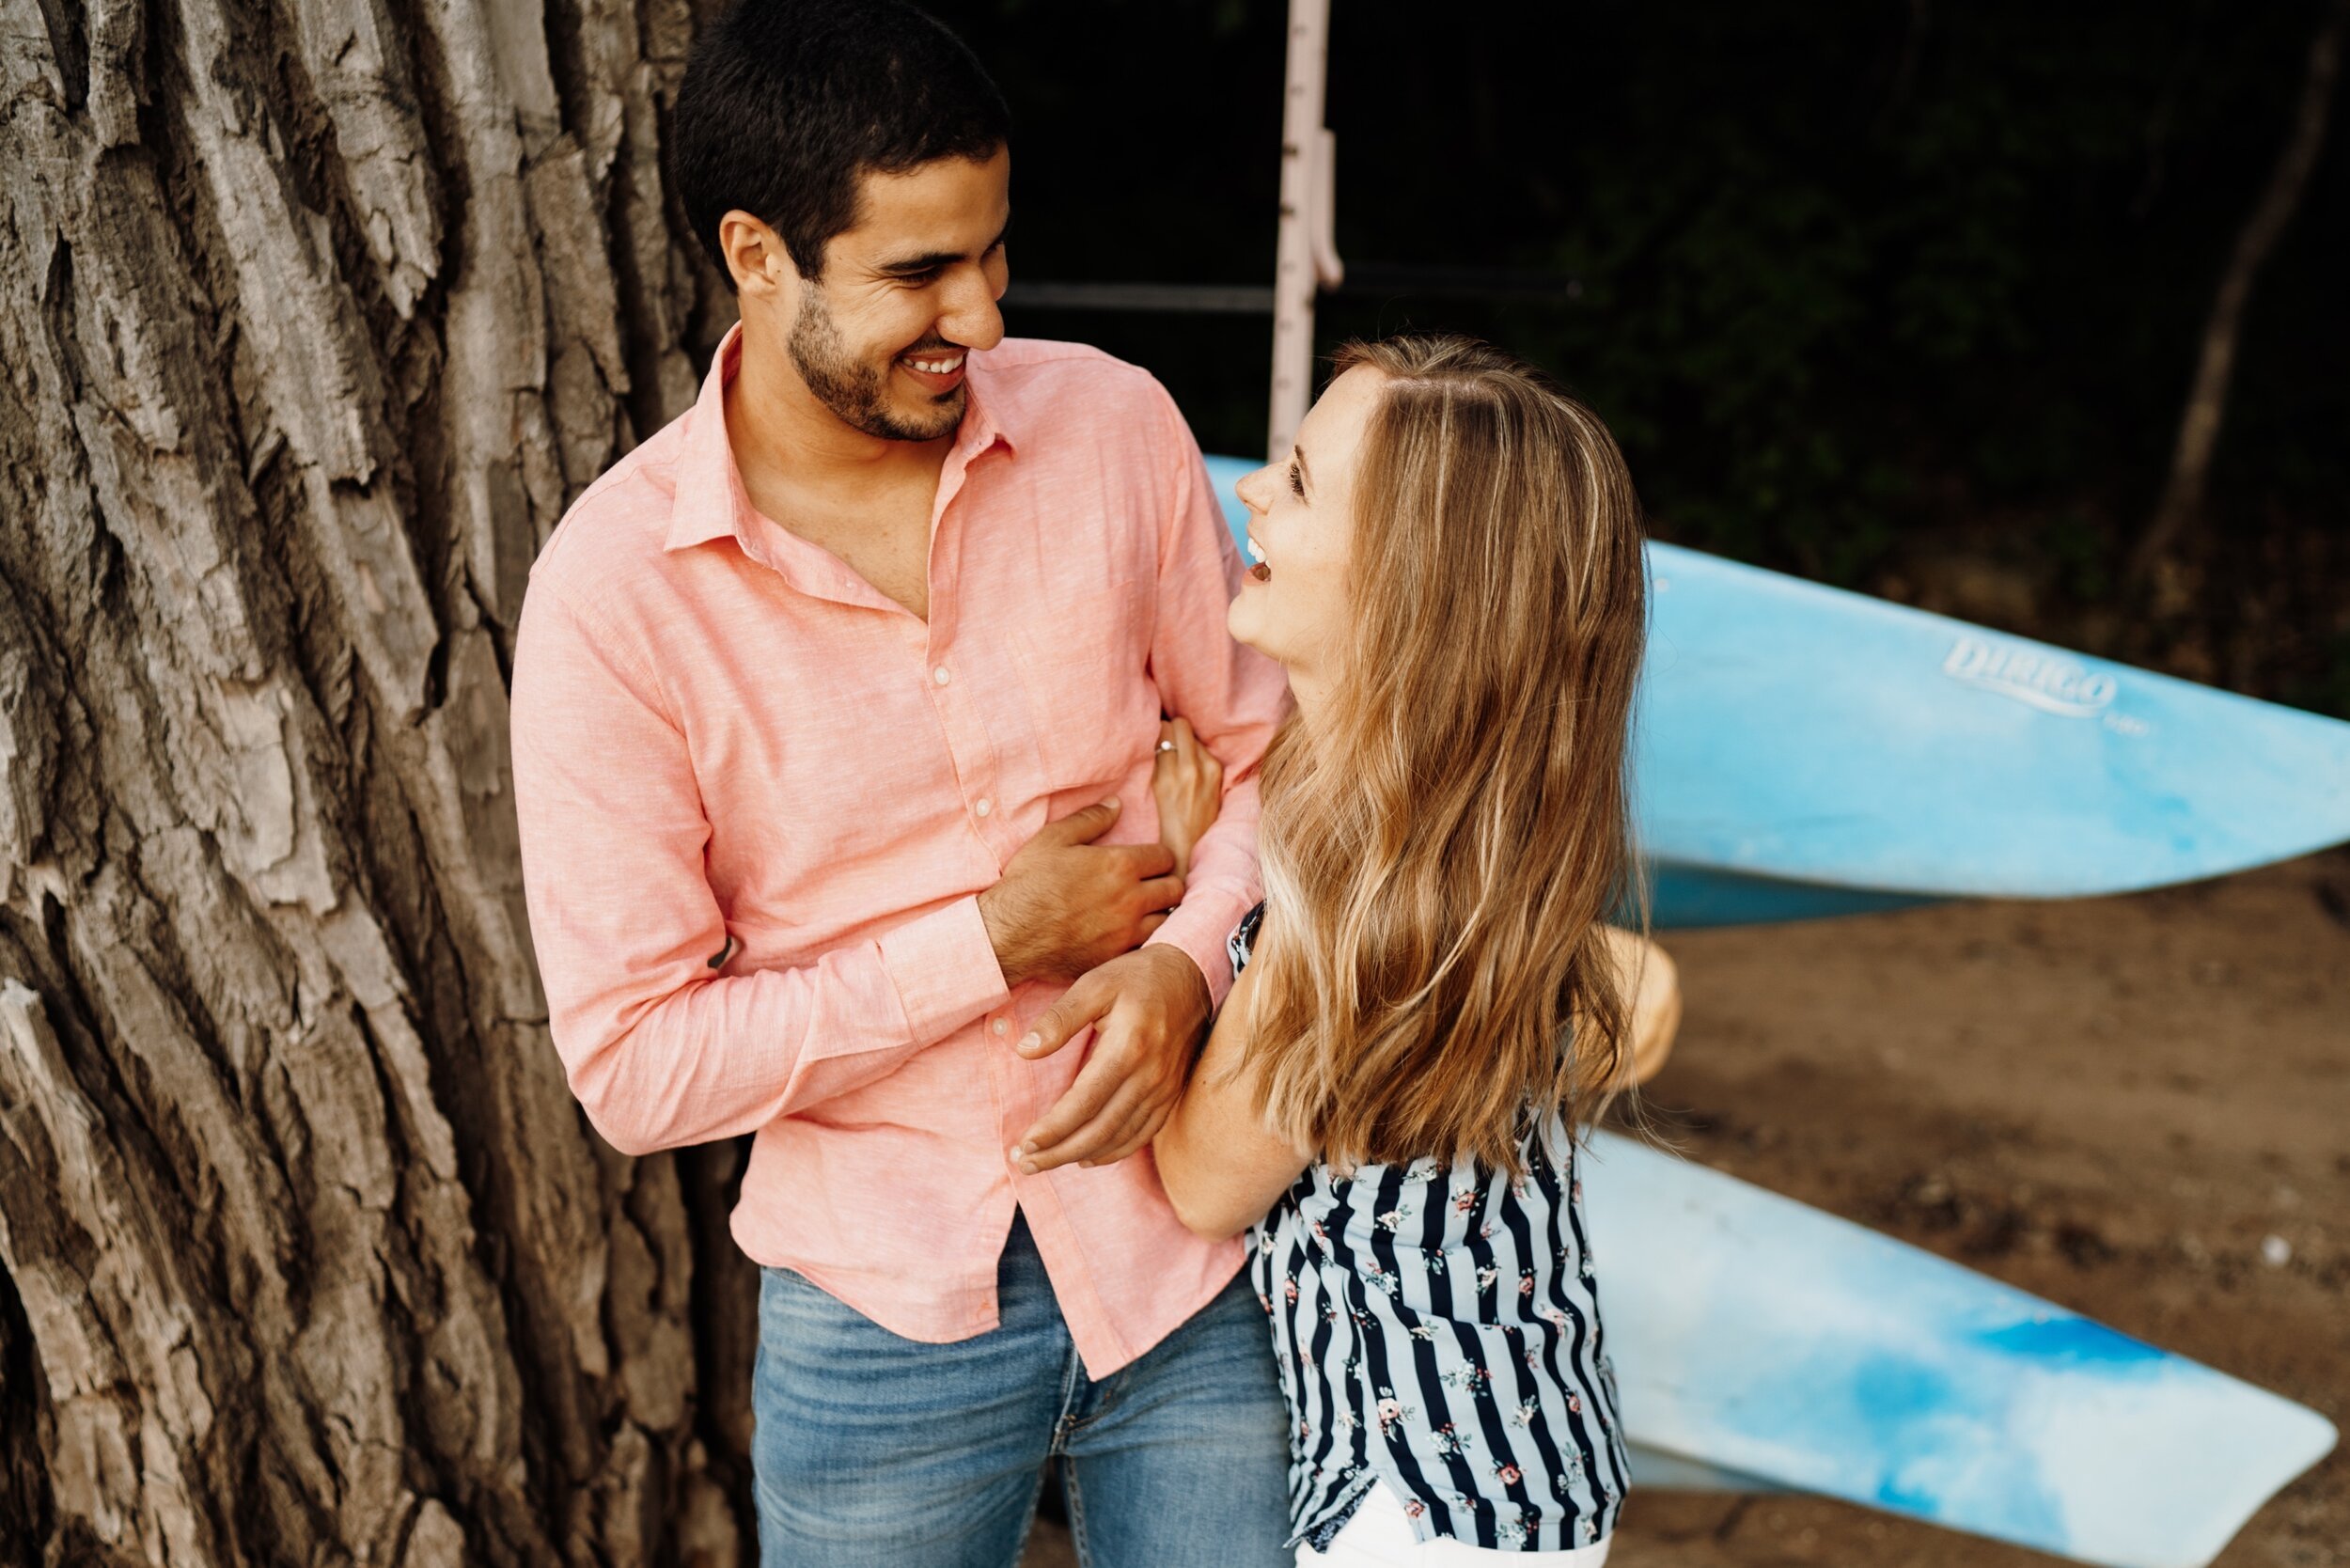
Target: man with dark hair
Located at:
point(826, 701)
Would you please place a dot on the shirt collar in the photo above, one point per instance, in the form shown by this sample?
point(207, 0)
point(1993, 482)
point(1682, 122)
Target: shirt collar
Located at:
point(710, 502)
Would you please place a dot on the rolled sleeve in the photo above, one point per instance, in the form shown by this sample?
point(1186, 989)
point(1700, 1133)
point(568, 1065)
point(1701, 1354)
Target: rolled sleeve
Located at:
point(1212, 906)
point(945, 969)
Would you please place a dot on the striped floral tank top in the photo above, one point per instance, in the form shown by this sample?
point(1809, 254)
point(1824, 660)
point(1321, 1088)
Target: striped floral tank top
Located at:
point(1438, 1327)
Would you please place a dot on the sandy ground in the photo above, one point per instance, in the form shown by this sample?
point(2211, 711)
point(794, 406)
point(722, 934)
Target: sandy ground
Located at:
point(2110, 1103)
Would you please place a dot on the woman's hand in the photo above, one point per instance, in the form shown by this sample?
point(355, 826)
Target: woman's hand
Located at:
point(1188, 783)
point(1651, 983)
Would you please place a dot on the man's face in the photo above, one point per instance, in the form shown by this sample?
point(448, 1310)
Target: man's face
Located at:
point(880, 336)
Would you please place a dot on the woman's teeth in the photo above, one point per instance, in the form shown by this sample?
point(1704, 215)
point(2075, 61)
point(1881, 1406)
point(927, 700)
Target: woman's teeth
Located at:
point(1259, 572)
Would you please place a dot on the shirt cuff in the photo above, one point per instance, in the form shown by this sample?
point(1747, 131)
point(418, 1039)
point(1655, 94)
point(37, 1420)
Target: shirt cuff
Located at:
point(945, 970)
point(1199, 931)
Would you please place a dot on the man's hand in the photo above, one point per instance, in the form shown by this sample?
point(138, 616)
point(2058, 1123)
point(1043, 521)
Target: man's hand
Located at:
point(1147, 1009)
point(1067, 904)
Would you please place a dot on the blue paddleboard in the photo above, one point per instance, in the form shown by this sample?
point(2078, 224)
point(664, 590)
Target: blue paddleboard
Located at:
point(1802, 751)
point(1759, 1341)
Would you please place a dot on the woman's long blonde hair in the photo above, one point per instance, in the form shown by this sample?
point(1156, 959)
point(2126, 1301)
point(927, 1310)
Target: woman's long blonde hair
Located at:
point(1439, 852)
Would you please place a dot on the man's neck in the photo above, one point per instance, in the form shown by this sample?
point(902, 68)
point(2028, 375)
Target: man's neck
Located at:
point(784, 437)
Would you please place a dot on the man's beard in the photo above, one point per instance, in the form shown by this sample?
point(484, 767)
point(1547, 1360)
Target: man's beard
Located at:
point(854, 390)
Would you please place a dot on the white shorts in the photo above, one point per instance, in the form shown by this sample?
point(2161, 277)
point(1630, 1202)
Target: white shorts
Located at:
point(1380, 1536)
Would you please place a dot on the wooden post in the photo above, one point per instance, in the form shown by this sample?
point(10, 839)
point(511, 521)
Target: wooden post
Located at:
point(1305, 259)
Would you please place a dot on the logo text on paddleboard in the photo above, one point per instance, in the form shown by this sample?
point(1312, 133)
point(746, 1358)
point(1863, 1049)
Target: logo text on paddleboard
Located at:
point(2053, 685)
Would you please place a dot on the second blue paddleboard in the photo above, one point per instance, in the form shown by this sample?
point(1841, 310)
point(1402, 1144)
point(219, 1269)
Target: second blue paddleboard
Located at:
point(1754, 1336)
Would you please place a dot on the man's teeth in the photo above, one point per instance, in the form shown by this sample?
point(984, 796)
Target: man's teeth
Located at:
point(937, 367)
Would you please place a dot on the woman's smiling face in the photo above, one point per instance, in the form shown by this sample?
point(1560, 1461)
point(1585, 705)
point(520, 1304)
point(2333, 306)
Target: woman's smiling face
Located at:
point(1301, 530)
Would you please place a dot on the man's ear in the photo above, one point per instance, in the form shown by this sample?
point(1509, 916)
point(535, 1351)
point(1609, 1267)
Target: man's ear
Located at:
point(757, 257)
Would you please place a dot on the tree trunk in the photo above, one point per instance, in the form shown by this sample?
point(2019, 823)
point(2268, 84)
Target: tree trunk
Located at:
point(2182, 503)
point(316, 314)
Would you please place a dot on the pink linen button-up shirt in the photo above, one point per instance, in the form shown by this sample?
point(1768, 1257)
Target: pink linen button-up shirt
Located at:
point(759, 799)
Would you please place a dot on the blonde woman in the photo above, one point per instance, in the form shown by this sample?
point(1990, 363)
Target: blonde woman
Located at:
point(1429, 1008)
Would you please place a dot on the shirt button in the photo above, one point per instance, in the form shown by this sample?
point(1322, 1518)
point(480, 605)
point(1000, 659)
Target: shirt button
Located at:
point(999, 1026)
point(981, 808)
point(940, 675)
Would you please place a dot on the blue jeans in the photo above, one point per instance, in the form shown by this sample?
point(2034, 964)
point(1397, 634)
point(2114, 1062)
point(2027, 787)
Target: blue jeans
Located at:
point(876, 1451)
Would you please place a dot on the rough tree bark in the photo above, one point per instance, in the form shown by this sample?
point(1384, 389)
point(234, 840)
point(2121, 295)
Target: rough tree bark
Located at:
point(315, 314)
